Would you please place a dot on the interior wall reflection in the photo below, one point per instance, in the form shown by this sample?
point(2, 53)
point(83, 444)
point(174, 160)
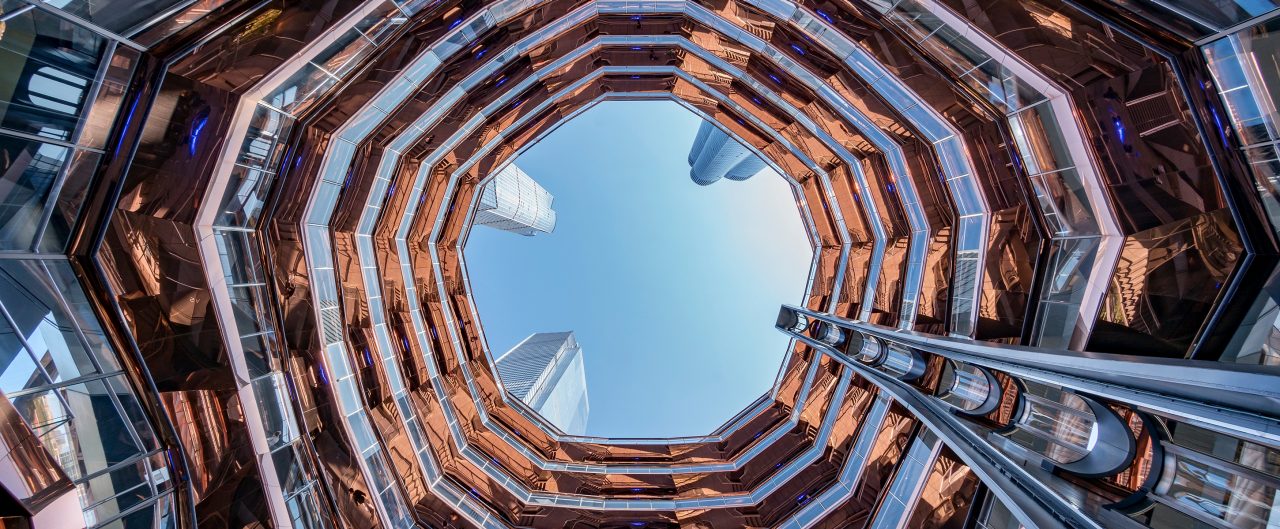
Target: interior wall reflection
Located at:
point(61, 375)
point(60, 90)
point(1247, 77)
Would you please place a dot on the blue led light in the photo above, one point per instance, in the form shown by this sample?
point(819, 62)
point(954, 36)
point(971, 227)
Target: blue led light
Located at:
point(455, 23)
point(128, 121)
point(1222, 132)
point(196, 129)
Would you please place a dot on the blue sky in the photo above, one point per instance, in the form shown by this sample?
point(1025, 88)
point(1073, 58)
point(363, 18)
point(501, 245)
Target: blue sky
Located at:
point(671, 288)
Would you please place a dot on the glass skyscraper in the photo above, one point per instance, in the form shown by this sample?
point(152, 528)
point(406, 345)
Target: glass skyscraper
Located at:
point(514, 202)
point(1046, 292)
point(715, 155)
point(546, 371)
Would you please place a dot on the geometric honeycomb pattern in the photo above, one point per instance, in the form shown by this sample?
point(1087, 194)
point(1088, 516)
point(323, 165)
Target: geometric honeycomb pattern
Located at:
point(1044, 289)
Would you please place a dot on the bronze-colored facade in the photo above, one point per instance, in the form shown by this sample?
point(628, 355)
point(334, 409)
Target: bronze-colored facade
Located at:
point(1044, 287)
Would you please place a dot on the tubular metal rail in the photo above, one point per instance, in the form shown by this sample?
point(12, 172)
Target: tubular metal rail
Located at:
point(1007, 410)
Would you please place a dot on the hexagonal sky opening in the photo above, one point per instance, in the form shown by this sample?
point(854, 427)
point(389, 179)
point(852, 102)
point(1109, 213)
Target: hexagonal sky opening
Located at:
point(670, 287)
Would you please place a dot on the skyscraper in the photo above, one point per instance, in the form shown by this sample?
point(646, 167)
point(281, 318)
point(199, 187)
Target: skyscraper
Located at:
point(715, 155)
point(547, 372)
point(513, 201)
point(233, 293)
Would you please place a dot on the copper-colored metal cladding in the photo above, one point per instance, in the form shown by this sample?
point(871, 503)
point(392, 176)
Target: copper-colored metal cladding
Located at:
point(892, 233)
point(339, 459)
point(1181, 246)
point(947, 494)
point(933, 306)
point(1014, 239)
point(465, 186)
point(357, 346)
point(31, 475)
point(890, 445)
point(149, 254)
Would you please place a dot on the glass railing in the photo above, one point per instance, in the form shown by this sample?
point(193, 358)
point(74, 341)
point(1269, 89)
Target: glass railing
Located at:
point(416, 190)
point(432, 114)
point(1243, 65)
point(569, 90)
point(895, 508)
point(127, 17)
point(850, 474)
point(995, 515)
point(247, 317)
point(63, 91)
point(695, 13)
point(1204, 17)
point(1068, 189)
point(63, 378)
point(336, 165)
point(972, 226)
point(320, 76)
